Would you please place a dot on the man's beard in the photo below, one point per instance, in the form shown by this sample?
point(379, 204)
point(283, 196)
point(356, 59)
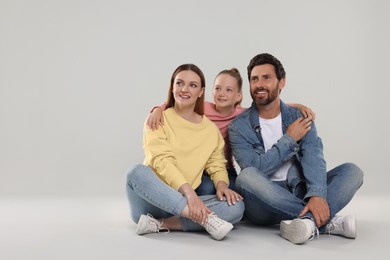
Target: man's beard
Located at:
point(268, 99)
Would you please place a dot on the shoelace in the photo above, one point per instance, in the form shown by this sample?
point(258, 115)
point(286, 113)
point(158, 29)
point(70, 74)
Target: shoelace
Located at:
point(213, 220)
point(315, 232)
point(157, 224)
point(335, 225)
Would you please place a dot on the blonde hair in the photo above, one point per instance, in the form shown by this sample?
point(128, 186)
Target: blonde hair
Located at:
point(235, 73)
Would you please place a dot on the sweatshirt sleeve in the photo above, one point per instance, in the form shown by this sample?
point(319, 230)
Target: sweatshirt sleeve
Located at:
point(159, 156)
point(216, 165)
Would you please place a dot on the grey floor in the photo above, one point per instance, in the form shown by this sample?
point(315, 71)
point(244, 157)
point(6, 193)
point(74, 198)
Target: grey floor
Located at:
point(100, 228)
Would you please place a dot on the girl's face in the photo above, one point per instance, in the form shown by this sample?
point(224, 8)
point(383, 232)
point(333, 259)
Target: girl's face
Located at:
point(226, 92)
point(187, 88)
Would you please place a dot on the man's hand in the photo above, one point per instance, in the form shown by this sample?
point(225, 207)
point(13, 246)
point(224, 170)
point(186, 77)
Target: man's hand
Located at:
point(299, 128)
point(319, 207)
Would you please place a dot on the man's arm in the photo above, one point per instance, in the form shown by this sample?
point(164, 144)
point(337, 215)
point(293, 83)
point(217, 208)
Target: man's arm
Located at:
point(314, 170)
point(249, 152)
point(313, 164)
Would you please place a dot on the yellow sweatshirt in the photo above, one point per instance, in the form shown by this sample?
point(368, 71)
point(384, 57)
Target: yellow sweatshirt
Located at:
point(179, 151)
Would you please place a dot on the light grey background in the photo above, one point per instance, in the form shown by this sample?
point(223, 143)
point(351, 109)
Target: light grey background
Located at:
point(78, 78)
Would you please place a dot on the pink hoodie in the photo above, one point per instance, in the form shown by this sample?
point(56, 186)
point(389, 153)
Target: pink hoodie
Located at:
point(222, 121)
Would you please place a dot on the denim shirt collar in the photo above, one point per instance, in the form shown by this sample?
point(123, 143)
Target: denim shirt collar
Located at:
point(254, 117)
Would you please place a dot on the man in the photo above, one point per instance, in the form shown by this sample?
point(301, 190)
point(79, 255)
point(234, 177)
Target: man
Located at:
point(284, 178)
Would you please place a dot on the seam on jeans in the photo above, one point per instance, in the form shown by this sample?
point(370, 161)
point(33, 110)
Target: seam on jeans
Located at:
point(150, 200)
point(266, 202)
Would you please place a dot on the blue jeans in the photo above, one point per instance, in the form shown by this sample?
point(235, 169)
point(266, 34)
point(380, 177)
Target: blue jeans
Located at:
point(268, 202)
point(207, 186)
point(148, 194)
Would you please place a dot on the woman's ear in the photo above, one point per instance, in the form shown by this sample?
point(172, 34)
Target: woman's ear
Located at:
point(201, 93)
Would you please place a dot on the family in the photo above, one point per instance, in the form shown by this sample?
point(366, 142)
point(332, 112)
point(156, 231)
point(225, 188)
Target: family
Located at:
point(188, 181)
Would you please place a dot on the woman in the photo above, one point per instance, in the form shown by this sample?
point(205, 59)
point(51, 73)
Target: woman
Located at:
point(177, 153)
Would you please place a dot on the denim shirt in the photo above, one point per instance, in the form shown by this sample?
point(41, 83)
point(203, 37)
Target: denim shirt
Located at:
point(248, 148)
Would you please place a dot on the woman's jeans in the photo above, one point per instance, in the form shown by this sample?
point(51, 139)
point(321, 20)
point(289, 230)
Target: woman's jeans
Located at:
point(268, 202)
point(148, 194)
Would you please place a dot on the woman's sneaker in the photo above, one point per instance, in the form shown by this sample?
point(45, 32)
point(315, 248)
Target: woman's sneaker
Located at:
point(147, 224)
point(343, 226)
point(217, 227)
point(298, 230)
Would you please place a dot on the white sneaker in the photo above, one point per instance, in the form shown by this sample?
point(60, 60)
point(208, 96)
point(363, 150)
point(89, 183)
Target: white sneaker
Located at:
point(343, 226)
point(217, 227)
point(147, 225)
point(298, 230)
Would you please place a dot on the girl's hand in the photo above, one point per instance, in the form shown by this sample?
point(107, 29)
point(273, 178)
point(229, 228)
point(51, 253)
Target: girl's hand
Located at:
point(155, 118)
point(306, 111)
point(231, 196)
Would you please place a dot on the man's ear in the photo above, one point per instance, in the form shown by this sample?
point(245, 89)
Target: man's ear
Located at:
point(282, 82)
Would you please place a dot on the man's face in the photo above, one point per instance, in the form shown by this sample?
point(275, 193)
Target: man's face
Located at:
point(264, 85)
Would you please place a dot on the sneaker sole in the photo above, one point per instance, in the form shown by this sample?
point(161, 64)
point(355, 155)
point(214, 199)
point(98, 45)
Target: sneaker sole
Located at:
point(295, 232)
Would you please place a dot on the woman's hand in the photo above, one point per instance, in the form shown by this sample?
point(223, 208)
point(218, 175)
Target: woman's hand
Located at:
point(197, 209)
point(155, 118)
point(231, 196)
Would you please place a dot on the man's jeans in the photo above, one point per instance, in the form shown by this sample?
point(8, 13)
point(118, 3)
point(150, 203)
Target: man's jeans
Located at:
point(268, 202)
point(148, 194)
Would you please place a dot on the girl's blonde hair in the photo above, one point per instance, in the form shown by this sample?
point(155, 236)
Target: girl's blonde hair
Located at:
point(235, 73)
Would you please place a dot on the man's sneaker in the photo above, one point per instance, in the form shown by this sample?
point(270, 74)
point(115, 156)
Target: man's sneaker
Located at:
point(147, 225)
point(298, 230)
point(343, 226)
point(217, 227)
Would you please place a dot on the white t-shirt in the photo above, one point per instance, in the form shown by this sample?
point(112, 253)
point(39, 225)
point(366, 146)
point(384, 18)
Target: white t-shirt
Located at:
point(271, 131)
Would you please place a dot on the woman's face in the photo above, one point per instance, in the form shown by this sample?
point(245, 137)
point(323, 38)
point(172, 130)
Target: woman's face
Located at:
point(226, 92)
point(187, 88)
